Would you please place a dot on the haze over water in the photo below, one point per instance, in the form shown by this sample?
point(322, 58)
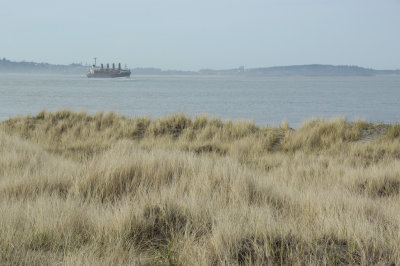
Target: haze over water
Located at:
point(265, 100)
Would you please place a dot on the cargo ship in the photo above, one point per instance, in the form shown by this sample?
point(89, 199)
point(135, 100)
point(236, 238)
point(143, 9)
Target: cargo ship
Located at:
point(107, 72)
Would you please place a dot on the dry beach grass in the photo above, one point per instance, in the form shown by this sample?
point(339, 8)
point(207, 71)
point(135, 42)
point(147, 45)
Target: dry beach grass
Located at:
point(103, 189)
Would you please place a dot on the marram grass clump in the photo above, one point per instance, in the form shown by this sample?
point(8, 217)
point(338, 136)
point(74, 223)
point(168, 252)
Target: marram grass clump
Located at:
point(104, 189)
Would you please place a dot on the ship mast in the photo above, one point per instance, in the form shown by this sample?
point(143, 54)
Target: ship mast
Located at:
point(95, 61)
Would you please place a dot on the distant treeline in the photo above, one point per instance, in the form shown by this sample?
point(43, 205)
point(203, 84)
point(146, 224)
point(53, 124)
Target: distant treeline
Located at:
point(302, 70)
point(33, 67)
point(297, 70)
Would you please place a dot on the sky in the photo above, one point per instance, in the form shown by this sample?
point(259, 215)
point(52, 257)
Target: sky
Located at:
point(193, 35)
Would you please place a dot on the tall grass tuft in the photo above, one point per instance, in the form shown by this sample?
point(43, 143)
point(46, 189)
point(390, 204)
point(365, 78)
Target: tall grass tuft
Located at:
point(104, 189)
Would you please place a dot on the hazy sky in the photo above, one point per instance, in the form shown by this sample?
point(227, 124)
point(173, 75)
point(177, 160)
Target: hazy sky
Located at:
point(185, 34)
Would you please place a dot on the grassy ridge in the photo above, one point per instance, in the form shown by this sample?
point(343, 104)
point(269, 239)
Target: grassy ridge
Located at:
point(106, 189)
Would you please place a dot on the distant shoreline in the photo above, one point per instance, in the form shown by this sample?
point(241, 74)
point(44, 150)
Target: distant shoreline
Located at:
point(317, 70)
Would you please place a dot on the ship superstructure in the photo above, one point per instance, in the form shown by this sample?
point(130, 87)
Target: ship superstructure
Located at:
point(107, 72)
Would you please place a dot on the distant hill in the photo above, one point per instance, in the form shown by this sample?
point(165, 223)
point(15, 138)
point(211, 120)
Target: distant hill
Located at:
point(302, 70)
point(7, 66)
point(314, 70)
point(33, 67)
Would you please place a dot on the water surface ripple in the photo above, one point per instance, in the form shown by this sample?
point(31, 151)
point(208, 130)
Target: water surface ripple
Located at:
point(265, 100)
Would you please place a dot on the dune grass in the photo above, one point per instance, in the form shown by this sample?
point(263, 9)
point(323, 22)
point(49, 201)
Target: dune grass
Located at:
point(104, 189)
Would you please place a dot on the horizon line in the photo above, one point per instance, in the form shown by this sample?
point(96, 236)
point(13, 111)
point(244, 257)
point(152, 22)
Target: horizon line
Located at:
point(206, 68)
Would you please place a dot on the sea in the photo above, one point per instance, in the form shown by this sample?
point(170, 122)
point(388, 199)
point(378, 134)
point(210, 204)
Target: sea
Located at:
point(268, 101)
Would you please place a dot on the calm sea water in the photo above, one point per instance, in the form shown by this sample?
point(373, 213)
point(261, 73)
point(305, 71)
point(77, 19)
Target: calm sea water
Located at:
point(265, 100)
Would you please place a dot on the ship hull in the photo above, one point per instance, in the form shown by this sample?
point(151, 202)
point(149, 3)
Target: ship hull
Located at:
point(109, 75)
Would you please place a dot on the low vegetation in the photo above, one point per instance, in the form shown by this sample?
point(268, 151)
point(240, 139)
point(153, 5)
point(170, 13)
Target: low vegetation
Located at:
point(103, 189)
